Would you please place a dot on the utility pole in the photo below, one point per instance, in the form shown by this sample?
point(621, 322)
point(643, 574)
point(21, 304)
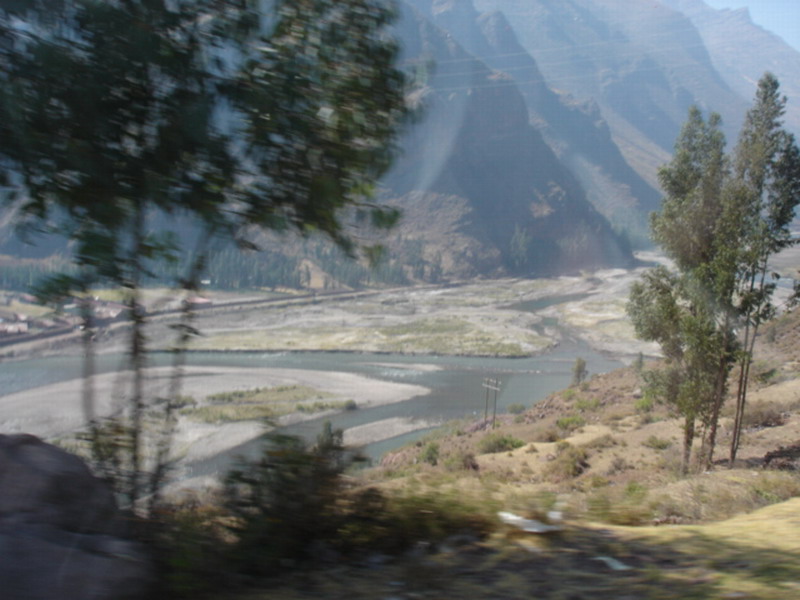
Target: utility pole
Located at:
point(491, 384)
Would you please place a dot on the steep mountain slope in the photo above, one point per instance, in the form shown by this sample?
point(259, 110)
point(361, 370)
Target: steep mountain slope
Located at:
point(642, 62)
point(527, 211)
point(575, 131)
point(730, 37)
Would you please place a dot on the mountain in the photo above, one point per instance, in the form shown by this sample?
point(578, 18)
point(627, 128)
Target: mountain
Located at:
point(575, 131)
point(540, 129)
point(643, 63)
point(522, 208)
point(731, 37)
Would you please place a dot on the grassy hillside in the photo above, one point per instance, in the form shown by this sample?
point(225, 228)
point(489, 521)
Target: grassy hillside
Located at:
point(601, 464)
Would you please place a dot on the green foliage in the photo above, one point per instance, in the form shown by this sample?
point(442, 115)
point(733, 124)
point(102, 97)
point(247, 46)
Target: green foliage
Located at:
point(657, 443)
point(570, 422)
point(587, 404)
point(286, 501)
point(430, 453)
point(569, 394)
point(189, 548)
point(516, 408)
point(461, 461)
point(579, 371)
point(551, 434)
point(263, 403)
point(395, 523)
point(570, 461)
point(721, 220)
point(519, 247)
point(498, 442)
point(602, 442)
point(621, 507)
point(118, 114)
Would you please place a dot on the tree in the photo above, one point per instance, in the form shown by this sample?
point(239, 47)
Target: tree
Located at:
point(767, 191)
point(684, 312)
point(664, 310)
point(721, 220)
point(579, 371)
point(114, 115)
point(519, 247)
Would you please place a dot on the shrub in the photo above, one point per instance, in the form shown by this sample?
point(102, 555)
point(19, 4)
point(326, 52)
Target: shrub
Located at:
point(570, 423)
point(430, 453)
point(599, 443)
point(579, 371)
point(764, 414)
point(587, 404)
point(569, 462)
point(657, 443)
point(644, 405)
point(551, 434)
point(350, 405)
point(462, 461)
point(189, 547)
point(516, 408)
point(286, 501)
point(497, 442)
point(430, 518)
point(617, 465)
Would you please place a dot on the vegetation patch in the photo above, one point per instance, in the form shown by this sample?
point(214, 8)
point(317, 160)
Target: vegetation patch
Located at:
point(587, 404)
point(569, 462)
point(570, 423)
point(263, 403)
point(498, 442)
point(764, 414)
point(626, 506)
point(657, 443)
point(601, 443)
point(516, 409)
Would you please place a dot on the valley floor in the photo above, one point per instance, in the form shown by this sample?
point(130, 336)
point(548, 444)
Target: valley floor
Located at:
point(512, 317)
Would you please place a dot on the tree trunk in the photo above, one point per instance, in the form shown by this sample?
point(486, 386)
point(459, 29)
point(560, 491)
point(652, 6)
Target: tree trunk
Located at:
point(88, 396)
point(688, 439)
point(719, 399)
point(720, 389)
point(185, 330)
point(137, 353)
point(744, 374)
point(741, 396)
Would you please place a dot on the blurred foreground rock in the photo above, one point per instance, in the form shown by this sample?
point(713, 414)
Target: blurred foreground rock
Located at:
point(61, 534)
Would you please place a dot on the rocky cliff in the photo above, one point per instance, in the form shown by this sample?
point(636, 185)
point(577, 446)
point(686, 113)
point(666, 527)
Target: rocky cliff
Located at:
point(524, 209)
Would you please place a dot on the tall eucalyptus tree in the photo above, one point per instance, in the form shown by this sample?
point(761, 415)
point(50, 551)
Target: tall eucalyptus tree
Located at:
point(765, 193)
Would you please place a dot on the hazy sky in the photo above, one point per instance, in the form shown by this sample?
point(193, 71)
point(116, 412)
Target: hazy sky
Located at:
point(778, 16)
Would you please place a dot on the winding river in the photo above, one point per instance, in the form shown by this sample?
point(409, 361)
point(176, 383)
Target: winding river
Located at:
point(454, 383)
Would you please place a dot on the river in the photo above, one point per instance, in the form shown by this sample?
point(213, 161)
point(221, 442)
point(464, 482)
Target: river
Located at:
point(455, 385)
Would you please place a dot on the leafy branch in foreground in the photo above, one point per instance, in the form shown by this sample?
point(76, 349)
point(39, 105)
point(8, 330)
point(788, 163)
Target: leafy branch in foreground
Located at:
point(119, 118)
